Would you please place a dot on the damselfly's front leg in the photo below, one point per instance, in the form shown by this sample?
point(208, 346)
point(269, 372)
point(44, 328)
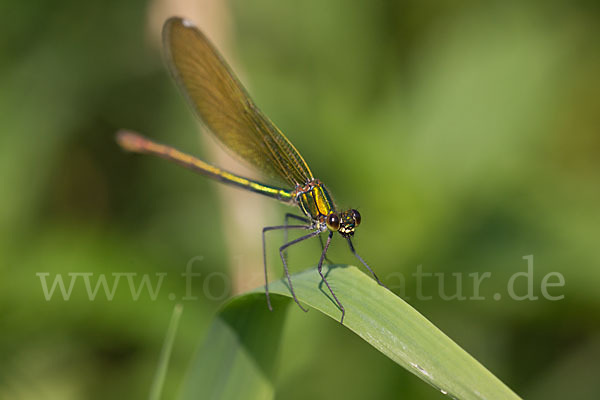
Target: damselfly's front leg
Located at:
point(364, 263)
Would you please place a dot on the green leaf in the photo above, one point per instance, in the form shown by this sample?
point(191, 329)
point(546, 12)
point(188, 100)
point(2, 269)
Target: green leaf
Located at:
point(240, 349)
point(238, 357)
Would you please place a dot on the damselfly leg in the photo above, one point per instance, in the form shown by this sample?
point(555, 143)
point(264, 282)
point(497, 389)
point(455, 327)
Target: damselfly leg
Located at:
point(319, 268)
point(363, 262)
point(282, 248)
point(289, 216)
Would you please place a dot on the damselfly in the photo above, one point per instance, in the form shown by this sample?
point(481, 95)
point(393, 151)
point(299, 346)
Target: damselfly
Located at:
point(224, 106)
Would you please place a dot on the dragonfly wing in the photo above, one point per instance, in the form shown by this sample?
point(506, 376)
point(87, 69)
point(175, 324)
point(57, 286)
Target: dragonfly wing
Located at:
point(225, 107)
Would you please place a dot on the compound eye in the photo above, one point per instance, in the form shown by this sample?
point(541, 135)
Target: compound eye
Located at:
point(356, 217)
point(333, 222)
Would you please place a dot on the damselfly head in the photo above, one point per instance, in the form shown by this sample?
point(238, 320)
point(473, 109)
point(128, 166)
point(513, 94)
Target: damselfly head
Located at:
point(344, 222)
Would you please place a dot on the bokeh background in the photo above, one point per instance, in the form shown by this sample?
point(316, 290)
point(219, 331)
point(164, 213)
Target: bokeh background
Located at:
point(466, 133)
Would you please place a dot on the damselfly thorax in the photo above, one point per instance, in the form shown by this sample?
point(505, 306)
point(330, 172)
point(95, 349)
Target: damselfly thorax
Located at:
point(316, 203)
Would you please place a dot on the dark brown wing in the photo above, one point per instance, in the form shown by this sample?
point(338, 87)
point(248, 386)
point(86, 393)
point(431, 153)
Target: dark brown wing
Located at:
point(225, 107)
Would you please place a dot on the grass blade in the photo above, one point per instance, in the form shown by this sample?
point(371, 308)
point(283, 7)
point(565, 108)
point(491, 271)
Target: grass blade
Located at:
point(239, 355)
point(374, 313)
point(165, 354)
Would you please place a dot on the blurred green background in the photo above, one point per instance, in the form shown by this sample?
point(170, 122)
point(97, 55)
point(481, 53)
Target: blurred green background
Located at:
point(467, 134)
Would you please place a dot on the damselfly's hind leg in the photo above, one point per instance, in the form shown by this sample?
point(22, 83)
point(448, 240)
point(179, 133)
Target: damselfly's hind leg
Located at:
point(287, 217)
point(274, 228)
point(285, 267)
point(364, 263)
point(320, 266)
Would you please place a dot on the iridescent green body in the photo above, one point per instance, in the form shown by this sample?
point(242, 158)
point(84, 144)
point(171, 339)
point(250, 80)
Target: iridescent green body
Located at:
point(315, 201)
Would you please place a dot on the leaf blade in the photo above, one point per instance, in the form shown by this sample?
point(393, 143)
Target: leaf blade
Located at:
point(375, 314)
point(238, 357)
point(397, 330)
